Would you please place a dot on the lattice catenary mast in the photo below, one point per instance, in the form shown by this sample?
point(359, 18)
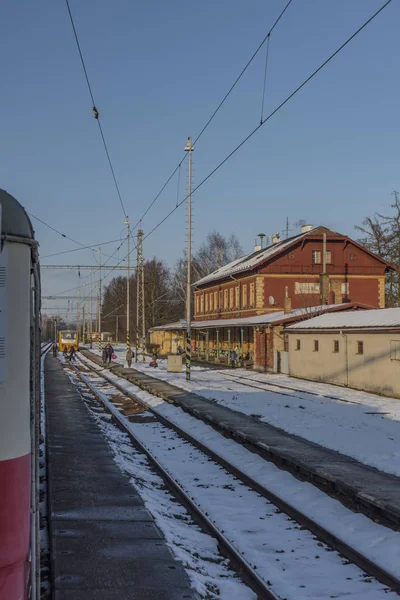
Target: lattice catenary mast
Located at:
point(140, 312)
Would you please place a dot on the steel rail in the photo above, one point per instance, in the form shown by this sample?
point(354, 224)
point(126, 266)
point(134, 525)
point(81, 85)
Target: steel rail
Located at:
point(319, 531)
point(261, 587)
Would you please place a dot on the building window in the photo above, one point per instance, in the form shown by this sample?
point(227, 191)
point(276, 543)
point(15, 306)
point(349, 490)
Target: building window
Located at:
point(231, 298)
point(206, 303)
point(244, 302)
point(345, 289)
point(336, 345)
point(225, 298)
point(286, 343)
point(328, 257)
point(211, 301)
point(221, 304)
point(197, 304)
point(298, 344)
point(252, 294)
point(237, 297)
point(360, 347)
point(291, 256)
point(353, 256)
point(202, 303)
point(316, 345)
point(316, 257)
point(215, 300)
point(395, 350)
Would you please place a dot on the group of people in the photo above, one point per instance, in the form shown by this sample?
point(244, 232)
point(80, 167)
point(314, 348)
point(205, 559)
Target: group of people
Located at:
point(69, 353)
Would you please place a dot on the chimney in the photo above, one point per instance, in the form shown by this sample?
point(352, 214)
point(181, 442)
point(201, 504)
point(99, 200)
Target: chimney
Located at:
point(306, 228)
point(324, 288)
point(287, 303)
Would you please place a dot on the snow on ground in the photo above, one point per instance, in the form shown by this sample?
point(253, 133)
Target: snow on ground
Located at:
point(380, 544)
point(209, 572)
point(361, 425)
point(280, 549)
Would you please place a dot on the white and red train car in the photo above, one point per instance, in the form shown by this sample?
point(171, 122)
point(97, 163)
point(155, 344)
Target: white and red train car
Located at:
point(19, 403)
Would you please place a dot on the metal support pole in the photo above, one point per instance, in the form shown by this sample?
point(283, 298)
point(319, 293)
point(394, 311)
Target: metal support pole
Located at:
point(99, 344)
point(116, 331)
point(217, 358)
point(208, 345)
point(229, 346)
point(127, 286)
point(91, 311)
point(143, 313)
point(140, 313)
point(241, 340)
point(189, 148)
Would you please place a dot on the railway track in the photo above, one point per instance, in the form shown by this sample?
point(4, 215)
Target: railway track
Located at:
point(45, 347)
point(131, 404)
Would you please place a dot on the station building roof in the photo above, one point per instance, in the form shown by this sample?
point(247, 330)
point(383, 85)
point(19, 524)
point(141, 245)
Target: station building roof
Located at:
point(379, 318)
point(266, 319)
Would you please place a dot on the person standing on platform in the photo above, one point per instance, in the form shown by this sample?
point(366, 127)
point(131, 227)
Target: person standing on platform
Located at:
point(110, 352)
point(104, 355)
point(129, 356)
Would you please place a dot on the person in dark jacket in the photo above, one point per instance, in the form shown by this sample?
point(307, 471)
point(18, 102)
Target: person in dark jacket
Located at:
point(129, 356)
point(110, 352)
point(71, 354)
point(104, 355)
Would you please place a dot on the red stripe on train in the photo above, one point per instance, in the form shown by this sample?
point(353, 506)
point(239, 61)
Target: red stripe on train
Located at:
point(14, 527)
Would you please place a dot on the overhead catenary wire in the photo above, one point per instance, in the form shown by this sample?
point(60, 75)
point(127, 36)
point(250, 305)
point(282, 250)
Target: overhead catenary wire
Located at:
point(271, 114)
point(265, 80)
point(217, 109)
point(104, 277)
point(95, 110)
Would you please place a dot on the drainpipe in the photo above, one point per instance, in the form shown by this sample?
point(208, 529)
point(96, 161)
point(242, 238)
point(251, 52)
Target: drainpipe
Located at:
point(346, 357)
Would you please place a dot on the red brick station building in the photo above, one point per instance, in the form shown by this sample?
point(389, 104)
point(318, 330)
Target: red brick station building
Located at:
point(246, 303)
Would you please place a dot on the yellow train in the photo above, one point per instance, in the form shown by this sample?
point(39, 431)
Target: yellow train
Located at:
point(68, 339)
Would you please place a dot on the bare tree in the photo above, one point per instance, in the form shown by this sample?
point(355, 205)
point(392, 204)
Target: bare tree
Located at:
point(381, 235)
point(214, 253)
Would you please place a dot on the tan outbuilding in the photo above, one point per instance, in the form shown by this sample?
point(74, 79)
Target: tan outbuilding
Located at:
point(357, 349)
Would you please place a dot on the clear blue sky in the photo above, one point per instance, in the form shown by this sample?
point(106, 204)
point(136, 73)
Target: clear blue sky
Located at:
point(158, 69)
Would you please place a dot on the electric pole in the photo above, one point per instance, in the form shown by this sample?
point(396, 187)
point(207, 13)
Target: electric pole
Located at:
point(189, 148)
point(83, 314)
point(91, 311)
point(99, 303)
point(140, 313)
point(127, 284)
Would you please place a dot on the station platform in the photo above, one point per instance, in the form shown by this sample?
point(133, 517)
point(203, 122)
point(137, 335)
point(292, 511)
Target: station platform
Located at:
point(363, 488)
point(105, 544)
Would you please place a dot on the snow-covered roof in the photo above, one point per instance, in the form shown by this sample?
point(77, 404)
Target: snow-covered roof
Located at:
point(264, 319)
point(251, 260)
point(369, 319)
